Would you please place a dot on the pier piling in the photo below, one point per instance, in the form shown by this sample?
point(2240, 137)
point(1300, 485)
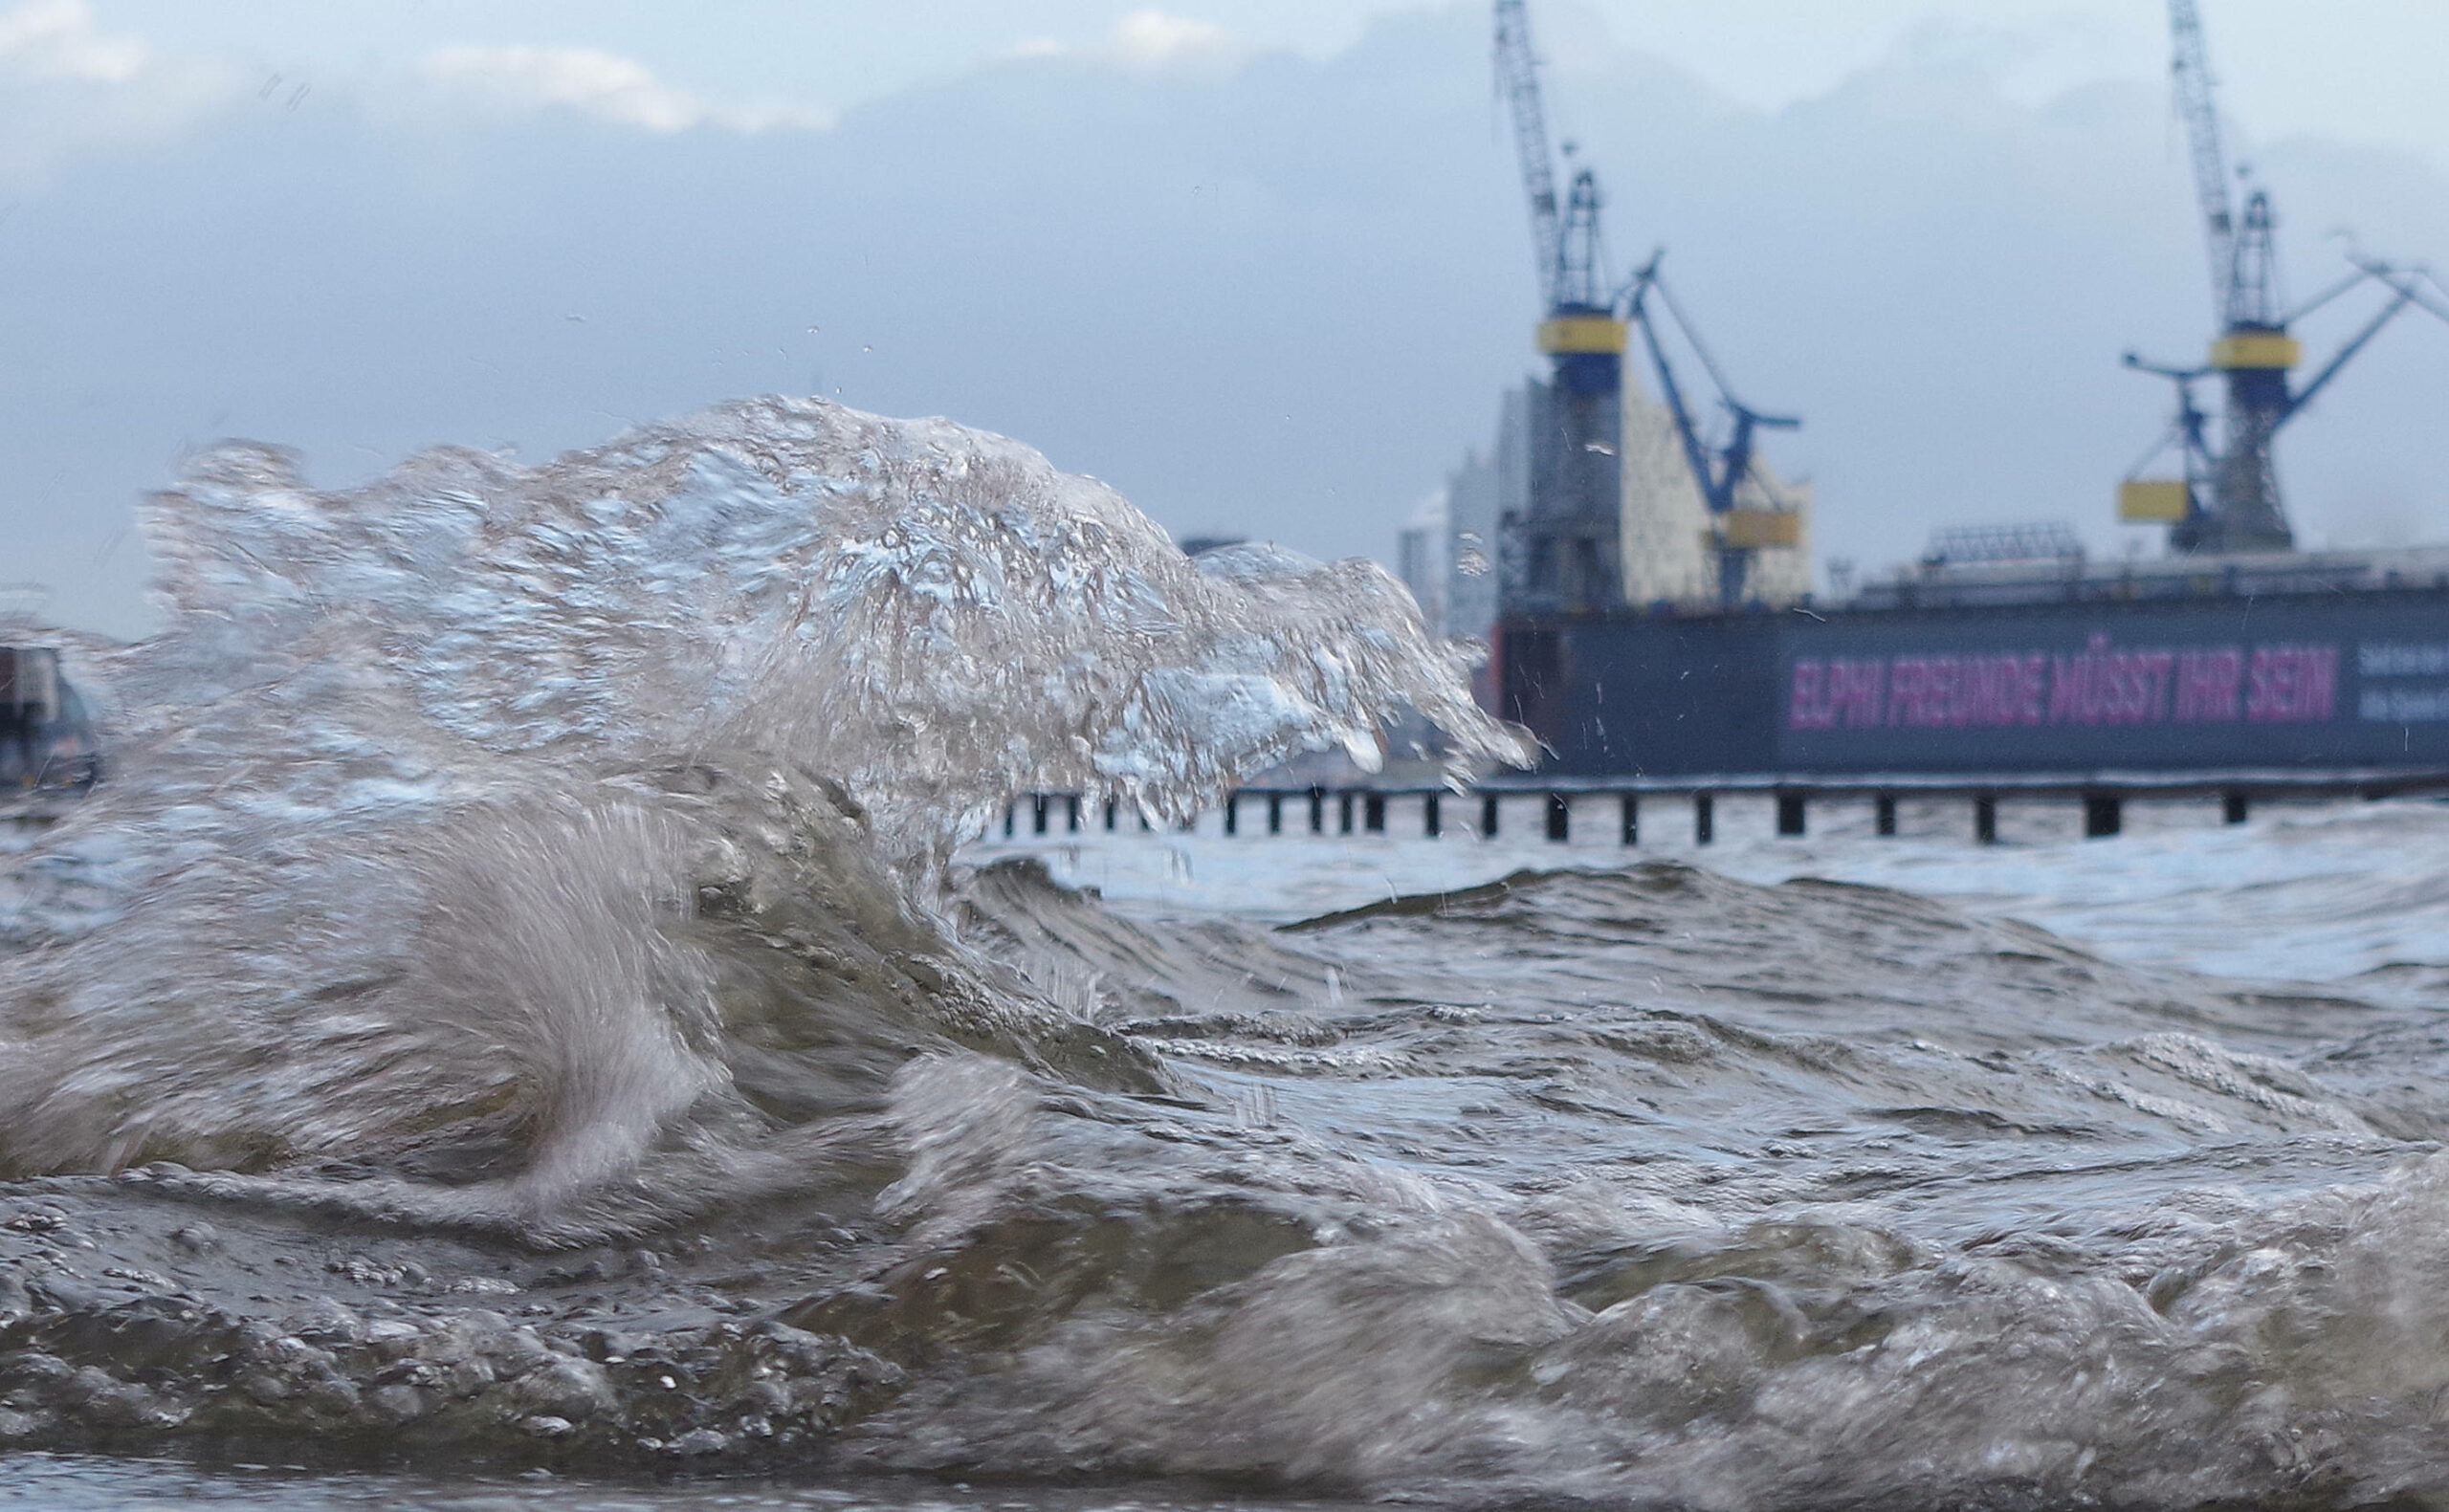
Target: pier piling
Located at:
point(2104, 815)
point(1790, 814)
point(1361, 809)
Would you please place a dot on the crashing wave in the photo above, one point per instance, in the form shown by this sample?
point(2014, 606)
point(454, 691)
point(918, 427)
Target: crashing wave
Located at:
point(514, 1006)
point(453, 802)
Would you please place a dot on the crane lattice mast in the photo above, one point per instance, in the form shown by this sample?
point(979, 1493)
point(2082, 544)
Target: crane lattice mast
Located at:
point(1517, 75)
point(2191, 75)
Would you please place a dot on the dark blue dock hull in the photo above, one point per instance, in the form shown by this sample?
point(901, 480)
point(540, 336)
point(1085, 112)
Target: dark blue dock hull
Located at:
point(2299, 685)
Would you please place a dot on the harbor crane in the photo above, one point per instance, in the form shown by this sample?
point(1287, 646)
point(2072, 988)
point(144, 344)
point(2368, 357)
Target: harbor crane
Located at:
point(1721, 471)
point(1563, 549)
point(1564, 546)
point(2228, 499)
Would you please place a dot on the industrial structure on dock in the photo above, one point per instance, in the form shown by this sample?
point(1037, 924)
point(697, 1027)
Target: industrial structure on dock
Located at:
point(1644, 576)
point(1598, 496)
point(2227, 498)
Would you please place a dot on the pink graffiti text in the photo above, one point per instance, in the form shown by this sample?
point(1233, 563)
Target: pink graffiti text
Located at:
point(2100, 685)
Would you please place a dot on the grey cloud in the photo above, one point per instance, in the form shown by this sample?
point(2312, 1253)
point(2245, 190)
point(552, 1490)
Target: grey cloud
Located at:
point(593, 82)
point(70, 89)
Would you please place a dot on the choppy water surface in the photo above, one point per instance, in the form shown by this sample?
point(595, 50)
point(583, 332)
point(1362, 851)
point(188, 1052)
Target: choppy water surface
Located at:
point(75, 1482)
point(521, 1009)
point(2310, 891)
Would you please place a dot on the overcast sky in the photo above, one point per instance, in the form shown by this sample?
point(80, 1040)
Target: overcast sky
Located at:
point(2360, 71)
point(1259, 262)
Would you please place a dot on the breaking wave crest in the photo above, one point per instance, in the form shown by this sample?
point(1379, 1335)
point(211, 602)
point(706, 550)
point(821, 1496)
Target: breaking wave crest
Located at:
point(451, 800)
point(520, 1002)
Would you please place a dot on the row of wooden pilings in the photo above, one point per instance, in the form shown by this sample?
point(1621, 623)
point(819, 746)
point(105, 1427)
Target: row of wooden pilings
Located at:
point(1364, 810)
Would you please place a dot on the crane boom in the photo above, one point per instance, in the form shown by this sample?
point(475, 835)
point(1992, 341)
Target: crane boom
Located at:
point(2192, 69)
point(1517, 73)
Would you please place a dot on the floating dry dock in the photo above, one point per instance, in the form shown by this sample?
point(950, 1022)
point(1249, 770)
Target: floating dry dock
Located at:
point(2232, 691)
point(2336, 688)
point(2261, 676)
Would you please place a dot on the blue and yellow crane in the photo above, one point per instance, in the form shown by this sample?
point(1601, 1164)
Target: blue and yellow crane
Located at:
point(2228, 499)
point(1562, 548)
